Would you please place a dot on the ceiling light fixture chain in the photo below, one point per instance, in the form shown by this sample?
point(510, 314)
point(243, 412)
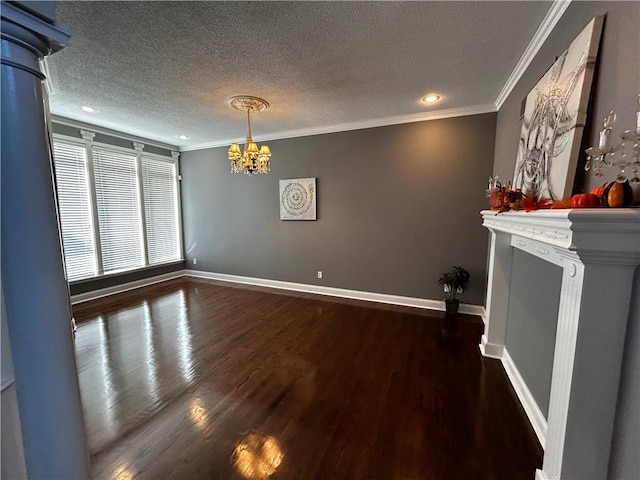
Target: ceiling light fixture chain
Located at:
point(251, 160)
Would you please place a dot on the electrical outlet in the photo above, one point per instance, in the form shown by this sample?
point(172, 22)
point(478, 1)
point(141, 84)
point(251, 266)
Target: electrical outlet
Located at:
point(195, 261)
point(319, 274)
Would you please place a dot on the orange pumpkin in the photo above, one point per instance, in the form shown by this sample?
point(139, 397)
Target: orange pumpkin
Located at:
point(585, 200)
point(564, 203)
point(598, 190)
point(617, 194)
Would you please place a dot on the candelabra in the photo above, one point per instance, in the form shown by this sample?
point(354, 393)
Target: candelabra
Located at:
point(625, 156)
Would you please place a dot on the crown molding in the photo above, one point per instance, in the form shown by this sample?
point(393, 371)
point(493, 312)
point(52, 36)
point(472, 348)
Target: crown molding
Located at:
point(549, 22)
point(348, 126)
point(70, 122)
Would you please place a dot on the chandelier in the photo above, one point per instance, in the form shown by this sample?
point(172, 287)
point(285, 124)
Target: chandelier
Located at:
point(252, 160)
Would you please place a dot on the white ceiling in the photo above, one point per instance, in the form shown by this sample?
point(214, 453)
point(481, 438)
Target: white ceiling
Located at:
point(161, 69)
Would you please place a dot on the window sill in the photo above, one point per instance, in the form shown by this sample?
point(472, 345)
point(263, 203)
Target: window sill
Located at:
point(124, 272)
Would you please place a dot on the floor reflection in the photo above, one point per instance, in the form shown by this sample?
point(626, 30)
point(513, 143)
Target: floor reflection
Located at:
point(257, 456)
point(198, 413)
point(131, 363)
point(150, 353)
point(122, 472)
point(184, 340)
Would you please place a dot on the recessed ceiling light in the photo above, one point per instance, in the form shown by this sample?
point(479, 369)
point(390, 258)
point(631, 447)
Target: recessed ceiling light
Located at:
point(89, 109)
point(431, 98)
point(184, 137)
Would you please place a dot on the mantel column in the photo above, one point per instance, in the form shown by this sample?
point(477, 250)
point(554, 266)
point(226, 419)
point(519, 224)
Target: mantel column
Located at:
point(33, 278)
point(592, 321)
point(500, 260)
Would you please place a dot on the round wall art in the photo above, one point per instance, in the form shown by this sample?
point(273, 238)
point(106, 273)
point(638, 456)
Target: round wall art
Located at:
point(298, 199)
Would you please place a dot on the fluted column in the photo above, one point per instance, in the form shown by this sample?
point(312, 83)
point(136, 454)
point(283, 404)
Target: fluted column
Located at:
point(33, 278)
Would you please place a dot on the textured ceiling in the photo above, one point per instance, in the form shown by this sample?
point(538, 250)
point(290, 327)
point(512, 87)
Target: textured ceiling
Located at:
point(162, 69)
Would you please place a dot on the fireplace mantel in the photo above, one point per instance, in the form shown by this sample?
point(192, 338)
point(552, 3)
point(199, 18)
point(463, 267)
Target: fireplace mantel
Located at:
point(598, 250)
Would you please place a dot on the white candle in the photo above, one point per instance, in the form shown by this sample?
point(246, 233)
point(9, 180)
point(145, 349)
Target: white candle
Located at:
point(638, 122)
point(604, 138)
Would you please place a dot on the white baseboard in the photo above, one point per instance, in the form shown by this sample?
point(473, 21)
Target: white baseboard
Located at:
point(123, 287)
point(535, 415)
point(491, 350)
point(415, 302)
point(337, 292)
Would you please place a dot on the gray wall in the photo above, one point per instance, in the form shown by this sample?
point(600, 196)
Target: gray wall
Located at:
point(88, 285)
point(533, 315)
point(397, 205)
point(616, 86)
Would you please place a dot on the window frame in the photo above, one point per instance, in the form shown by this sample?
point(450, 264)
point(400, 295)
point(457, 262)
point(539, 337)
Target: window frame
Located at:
point(137, 150)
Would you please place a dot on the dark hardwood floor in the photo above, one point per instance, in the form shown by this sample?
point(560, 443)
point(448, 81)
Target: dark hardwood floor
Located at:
point(190, 379)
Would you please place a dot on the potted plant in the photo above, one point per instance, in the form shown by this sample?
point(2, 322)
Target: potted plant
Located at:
point(454, 281)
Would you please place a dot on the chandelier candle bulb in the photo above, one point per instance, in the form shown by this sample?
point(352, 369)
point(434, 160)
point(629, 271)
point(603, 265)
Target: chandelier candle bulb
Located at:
point(604, 138)
point(609, 120)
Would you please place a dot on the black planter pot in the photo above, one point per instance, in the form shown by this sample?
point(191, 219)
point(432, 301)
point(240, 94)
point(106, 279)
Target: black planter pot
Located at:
point(452, 306)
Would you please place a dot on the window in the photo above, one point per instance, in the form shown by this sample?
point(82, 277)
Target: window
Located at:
point(75, 210)
point(118, 208)
point(161, 209)
point(118, 205)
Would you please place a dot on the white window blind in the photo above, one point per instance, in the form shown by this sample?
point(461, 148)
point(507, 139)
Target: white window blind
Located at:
point(118, 205)
point(74, 202)
point(161, 210)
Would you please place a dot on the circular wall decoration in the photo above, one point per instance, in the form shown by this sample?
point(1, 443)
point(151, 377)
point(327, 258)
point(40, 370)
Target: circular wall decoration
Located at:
point(297, 199)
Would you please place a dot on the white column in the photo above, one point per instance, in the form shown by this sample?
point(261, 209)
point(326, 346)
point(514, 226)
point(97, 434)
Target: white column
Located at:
point(33, 280)
point(495, 331)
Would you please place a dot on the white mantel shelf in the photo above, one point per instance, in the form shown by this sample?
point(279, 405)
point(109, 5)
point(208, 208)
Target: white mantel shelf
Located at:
point(606, 232)
point(598, 250)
